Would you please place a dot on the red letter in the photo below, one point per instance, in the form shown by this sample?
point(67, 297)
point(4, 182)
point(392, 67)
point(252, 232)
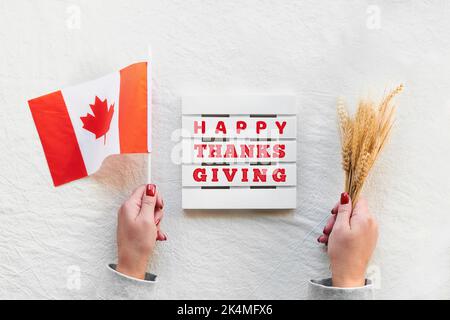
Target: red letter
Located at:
point(200, 175)
point(280, 126)
point(215, 150)
point(278, 150)
point(279, 175)
point(214, 177)
point(197, 126)
point(200, 148)
point(260, 125)
point(240, 125)
point(262, 151)
point(230, 152)
point(247, 151)
point(221, 127)
point(260, 175)
point(244, 175)
point(230, 177)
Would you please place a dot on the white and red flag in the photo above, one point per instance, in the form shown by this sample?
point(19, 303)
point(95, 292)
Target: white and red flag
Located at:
point(81, 125)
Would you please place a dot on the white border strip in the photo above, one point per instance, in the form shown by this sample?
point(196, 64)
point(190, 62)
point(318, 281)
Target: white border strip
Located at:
point(236, 104)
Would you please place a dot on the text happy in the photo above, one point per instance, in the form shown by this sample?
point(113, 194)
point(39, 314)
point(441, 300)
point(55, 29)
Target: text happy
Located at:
point(240, 126)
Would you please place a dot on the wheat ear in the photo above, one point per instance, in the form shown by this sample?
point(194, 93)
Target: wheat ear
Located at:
point(363, 137)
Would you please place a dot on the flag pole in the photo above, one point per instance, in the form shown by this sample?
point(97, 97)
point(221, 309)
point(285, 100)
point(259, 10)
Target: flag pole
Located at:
point(149, 114)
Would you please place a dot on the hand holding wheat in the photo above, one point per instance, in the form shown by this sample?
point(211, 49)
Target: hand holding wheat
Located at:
point(363, 137)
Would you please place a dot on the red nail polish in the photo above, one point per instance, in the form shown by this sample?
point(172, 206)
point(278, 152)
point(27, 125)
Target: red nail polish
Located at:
point(165, 237)
point(151, 190)
point(344, 198)
point(157, 221)
point(325, 230)
point(318, 239)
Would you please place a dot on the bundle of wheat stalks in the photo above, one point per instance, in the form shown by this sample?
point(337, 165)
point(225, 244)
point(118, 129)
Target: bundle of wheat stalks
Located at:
point(363, 137)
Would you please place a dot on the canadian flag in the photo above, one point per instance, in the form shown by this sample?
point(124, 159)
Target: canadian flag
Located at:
point(80, 126)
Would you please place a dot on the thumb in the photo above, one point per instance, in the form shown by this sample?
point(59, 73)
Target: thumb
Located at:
point(149, 202)
point(344, 210)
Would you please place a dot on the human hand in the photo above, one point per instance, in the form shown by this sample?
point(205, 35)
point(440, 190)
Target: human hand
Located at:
point(351, 236)
point(138, 228)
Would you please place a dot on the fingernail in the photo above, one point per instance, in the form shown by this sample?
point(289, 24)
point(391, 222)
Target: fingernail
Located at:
point(318, 239)
point(165, 237)
point(151, 190)
point(344, 198)
point(324, 230)
point(157, 221)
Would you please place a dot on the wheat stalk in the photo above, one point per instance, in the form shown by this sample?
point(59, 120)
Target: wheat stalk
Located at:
point(363, 138)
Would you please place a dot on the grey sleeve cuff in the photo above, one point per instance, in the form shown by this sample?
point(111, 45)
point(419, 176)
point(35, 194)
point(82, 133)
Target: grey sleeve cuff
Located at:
point(149, 277)
point(323, 290)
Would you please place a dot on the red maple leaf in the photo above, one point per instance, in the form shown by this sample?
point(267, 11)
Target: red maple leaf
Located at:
point(98, 123)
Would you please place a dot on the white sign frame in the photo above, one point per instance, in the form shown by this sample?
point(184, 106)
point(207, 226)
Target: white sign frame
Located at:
point(266, 138)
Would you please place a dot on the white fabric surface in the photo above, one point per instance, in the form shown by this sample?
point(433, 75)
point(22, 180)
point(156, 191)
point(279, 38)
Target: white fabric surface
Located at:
point(317, 50)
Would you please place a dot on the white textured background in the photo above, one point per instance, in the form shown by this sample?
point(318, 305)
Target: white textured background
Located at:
point(318, 50)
